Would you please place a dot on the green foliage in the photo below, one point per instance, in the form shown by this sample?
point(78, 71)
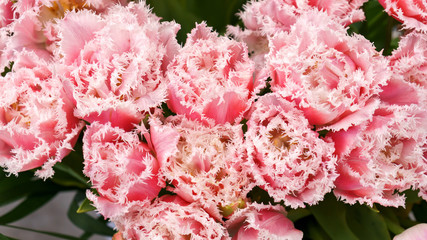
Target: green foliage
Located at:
point(377, 27)
point(29, 205)
point(217, 14)
point(3, 237)
point(331, 216)
point(86, 206)
point(84, 221)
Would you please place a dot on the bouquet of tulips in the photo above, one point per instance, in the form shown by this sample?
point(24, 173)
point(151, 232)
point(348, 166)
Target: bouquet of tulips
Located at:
point(304, 121)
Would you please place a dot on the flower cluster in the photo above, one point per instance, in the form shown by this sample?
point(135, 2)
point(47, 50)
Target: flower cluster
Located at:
point(176, 138)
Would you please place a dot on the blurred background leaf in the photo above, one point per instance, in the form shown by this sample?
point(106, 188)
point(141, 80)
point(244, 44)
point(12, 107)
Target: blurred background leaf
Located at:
point(378, 27)
point(331, 215)
point(218, 14)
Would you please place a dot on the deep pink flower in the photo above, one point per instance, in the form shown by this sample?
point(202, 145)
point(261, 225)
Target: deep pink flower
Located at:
point(212, 79)
point(286, 157)
point(37, 126)
point(6, 13)
point(203, 163)
point(169, 217)
point(382, 158)
point(331, 76)
point(412, 13)
point(121, 168)
point(262, 222)
point(117, 62)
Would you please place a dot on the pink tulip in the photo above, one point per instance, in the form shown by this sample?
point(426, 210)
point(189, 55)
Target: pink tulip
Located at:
point(34, 24)
point(417, 232)
point(117, 62)
point(203, 163)
point(262, 222)
point(408, 84)
point(286, 157)
point(412, 13)
point(37, 126)
point(264, 18)
point(384, 157)
point(121, 168)
point(211, 79)
point(170, 217)
point(331, 76)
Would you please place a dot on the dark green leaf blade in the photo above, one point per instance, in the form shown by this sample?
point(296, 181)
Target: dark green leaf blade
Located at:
point(13, 188)
point(54, 234)
point(3, 237)
point(366, 223)
point(29, 205)
point(331, 215)
point(85, 221)
point(86, 206)
point(378, 26)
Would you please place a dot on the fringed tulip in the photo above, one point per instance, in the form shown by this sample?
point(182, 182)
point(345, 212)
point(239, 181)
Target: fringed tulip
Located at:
point(412, 13)
point(37, 126)
point(262, 222)
point(169, 217)
point(286, 157)
point(203, 164)
point(331, 76)
point(117, 62)
point(211, 79)
point(121, 168)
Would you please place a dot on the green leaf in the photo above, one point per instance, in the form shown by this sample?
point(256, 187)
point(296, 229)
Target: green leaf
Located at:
point(66, 176)
point(314, 231)
point(296, 214)
point(69, 172)
point(391, 219)
point(331, 215)
point(218, 14)
point(29, 205)
point(378, 26)
point(13, 188)
point(86, 206)
point(3, 237)
point(366, 223)
point(420, 211)
point(85, 221)
point(54, 234)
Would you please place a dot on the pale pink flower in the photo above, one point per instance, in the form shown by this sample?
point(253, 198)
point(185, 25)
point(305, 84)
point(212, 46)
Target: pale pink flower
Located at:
point(37, 126)
point(410, 59)
point(262, 222)
point(262, 19)
point(286, 157)
point(345, 11)
point(382, 158)
point(33, 26)
point(211, 79)
point(118, 61)
point(169, 217)
point(412, 13)
point(121, 168)
point(417, 232)
point(331, 76)
point(28, 36)
point(202, 163)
